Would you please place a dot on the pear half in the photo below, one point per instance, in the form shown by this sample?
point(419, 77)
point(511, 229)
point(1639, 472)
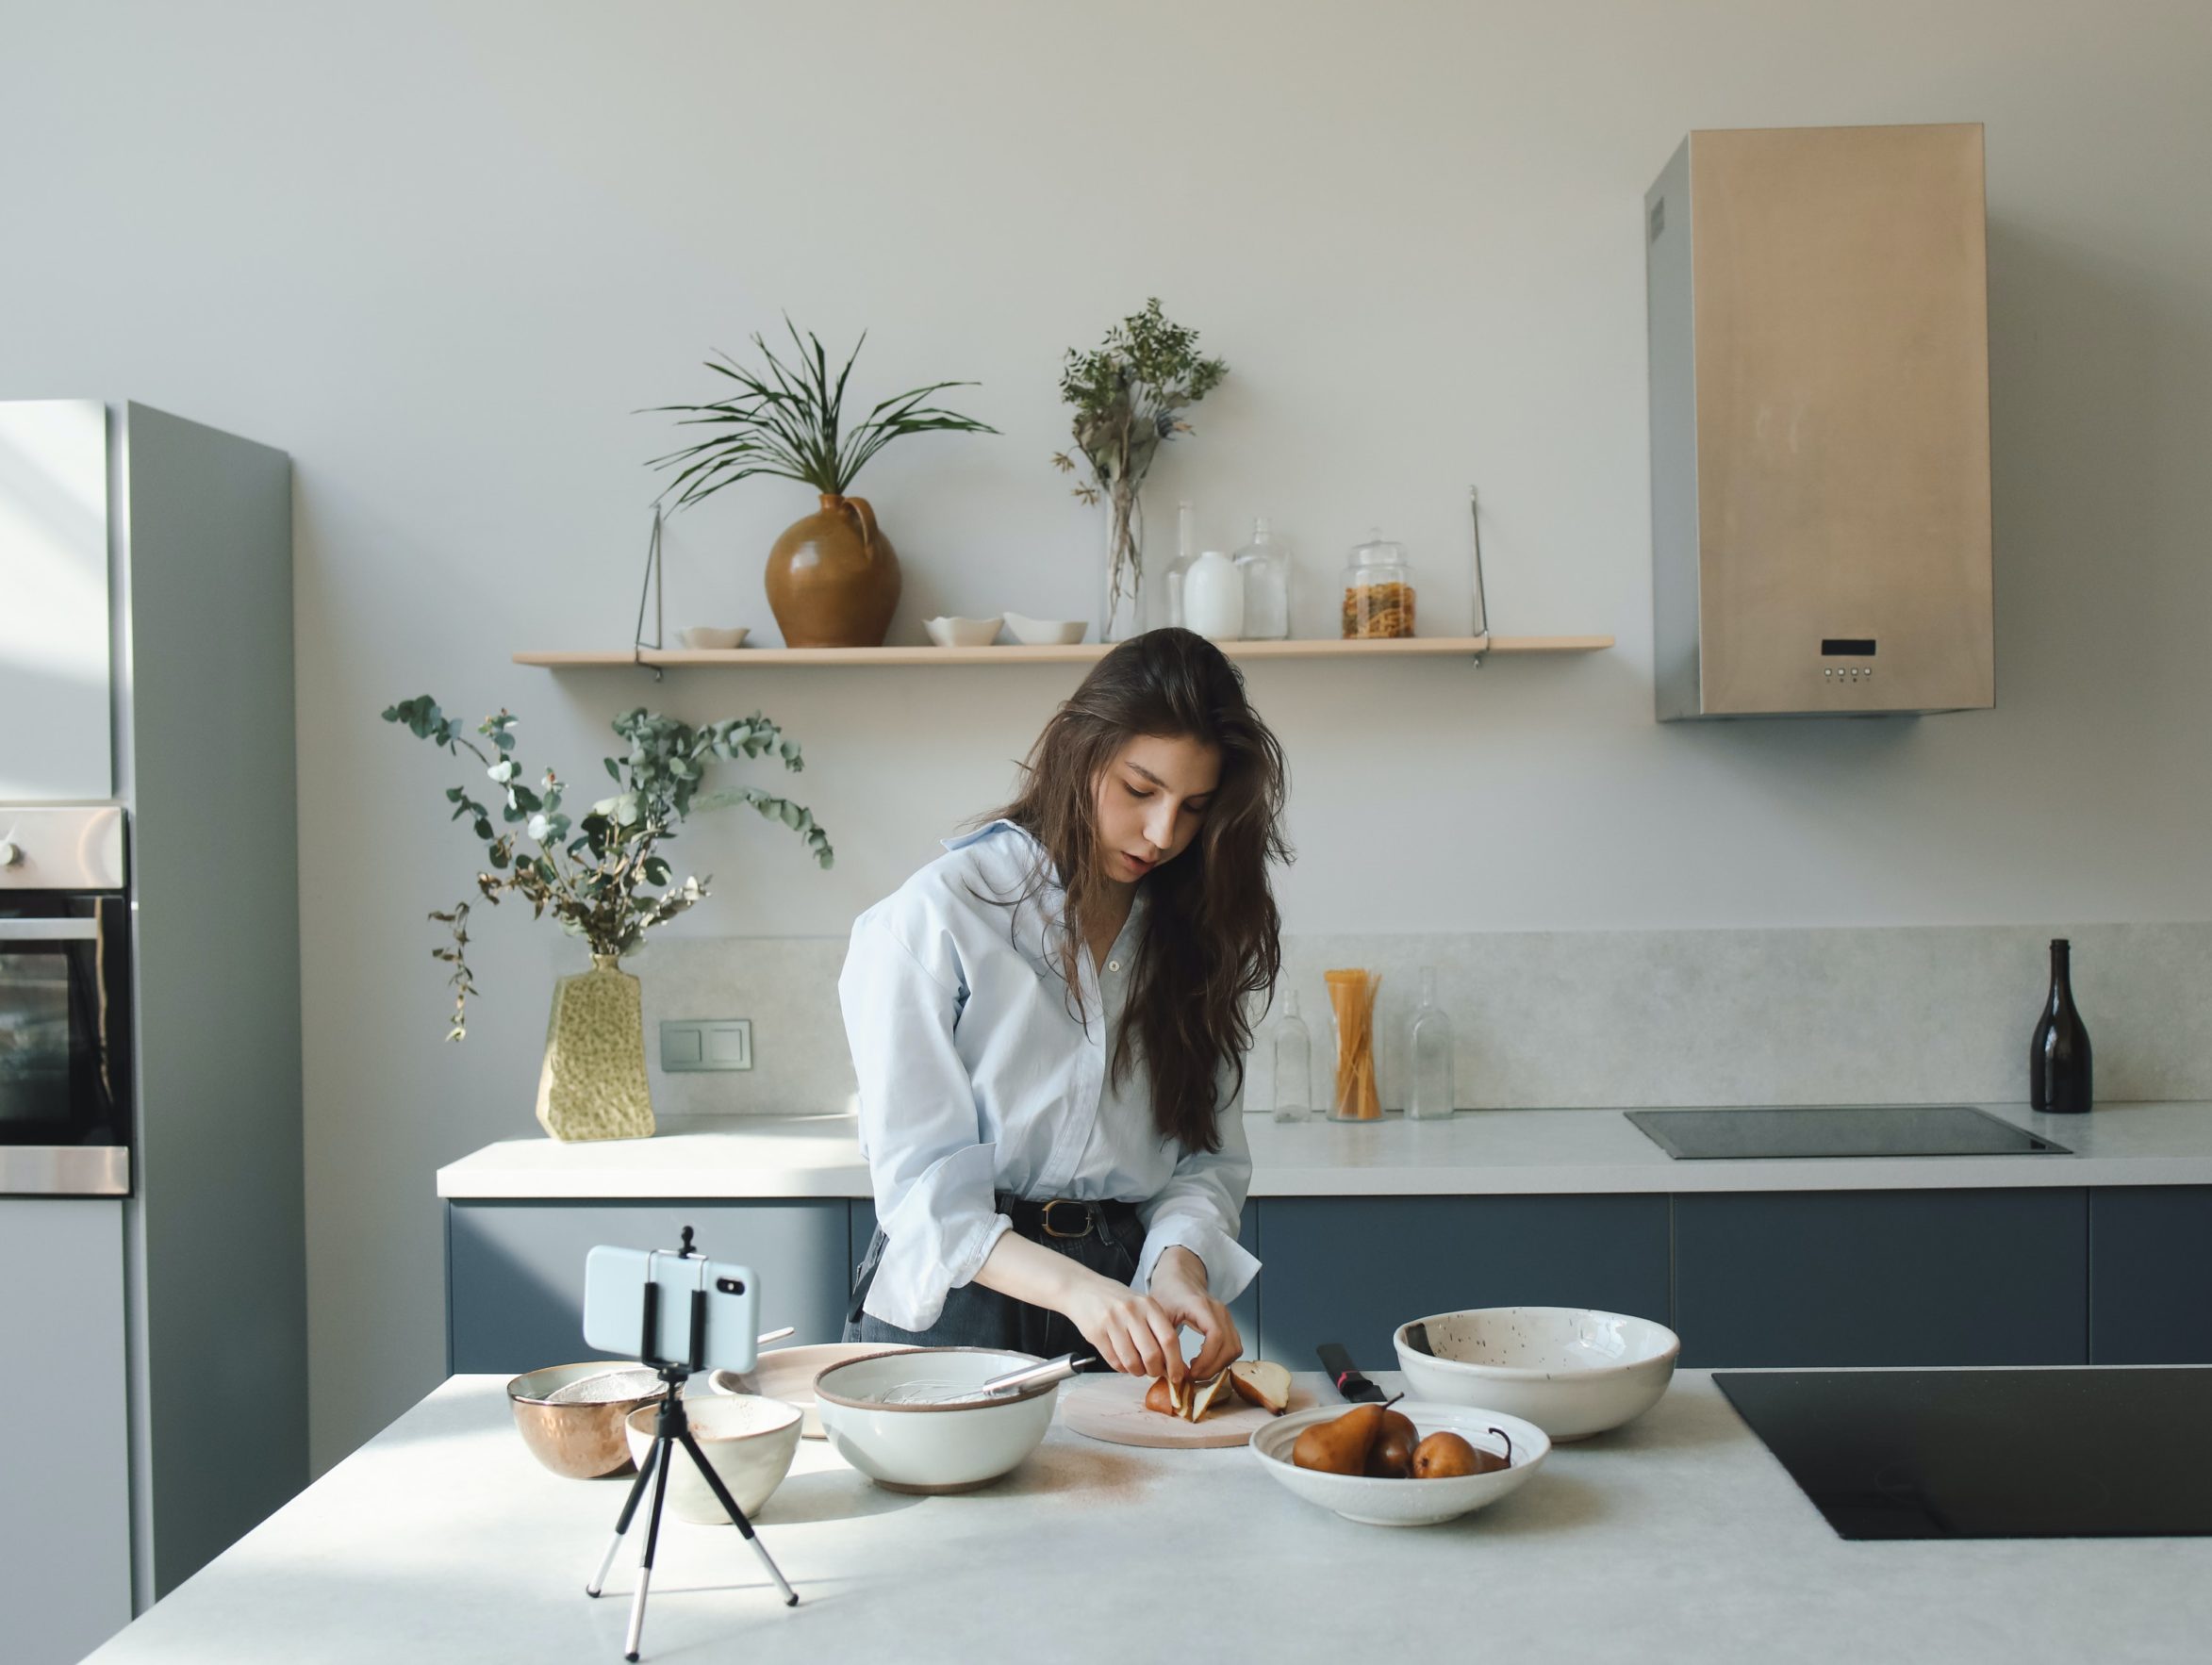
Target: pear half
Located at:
point(1258, 1382)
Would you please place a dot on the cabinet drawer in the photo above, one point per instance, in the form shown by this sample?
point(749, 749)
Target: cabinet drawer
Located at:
point(1866, 1277)
point(2150, 1295)
point(1354, 1268)
point(515, 1270)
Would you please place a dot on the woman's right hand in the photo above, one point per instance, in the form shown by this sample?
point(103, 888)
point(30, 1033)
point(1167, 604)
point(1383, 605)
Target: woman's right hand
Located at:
point(1133, 1334)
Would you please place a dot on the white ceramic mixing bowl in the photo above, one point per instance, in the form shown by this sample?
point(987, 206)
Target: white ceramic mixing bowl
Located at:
point(921, 1446)
point(1571, 1371)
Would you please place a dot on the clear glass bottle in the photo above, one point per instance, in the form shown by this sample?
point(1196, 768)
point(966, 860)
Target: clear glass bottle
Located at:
point(1378, 591)
point(1429, 1052)
point(1293, 1063)
point(1186, 550)
point(1264, 565)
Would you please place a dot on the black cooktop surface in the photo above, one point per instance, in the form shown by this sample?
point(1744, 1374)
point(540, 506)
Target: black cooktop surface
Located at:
point(1851, 1129)
point(2071, 1453)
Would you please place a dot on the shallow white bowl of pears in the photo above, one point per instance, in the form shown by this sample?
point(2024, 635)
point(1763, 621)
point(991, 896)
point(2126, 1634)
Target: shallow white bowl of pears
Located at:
point(1375, 1502)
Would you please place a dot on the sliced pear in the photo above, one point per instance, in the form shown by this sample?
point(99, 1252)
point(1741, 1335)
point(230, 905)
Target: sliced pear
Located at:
point(1258, 1382)
point(1156, 1397)
point(1207, 1395)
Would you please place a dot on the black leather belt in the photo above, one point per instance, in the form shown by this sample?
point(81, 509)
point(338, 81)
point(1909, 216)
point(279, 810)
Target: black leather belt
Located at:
point(1061, 1217)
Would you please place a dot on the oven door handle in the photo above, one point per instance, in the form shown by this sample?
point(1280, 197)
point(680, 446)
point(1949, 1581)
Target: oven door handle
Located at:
point(49, 930)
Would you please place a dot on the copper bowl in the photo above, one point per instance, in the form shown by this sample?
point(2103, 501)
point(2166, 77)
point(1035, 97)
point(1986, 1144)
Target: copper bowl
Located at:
point(584, 1441)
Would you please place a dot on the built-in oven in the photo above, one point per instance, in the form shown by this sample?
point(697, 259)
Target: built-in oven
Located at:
point(65, 1010)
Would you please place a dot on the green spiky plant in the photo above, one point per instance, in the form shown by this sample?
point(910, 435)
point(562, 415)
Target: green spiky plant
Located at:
point(594, 874)
point(787, 421)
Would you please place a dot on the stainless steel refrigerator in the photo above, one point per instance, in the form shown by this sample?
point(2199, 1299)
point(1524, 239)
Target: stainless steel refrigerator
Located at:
point(153, 1306)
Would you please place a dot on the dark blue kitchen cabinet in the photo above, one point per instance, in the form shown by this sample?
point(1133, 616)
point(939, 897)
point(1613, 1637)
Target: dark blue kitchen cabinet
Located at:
point(1353, 1268)
point(2150, 1275)
point(1894, 1277)
point(515, 1270)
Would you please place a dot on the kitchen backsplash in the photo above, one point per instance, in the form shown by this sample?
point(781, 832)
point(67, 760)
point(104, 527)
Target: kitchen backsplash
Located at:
point(1552, 1019)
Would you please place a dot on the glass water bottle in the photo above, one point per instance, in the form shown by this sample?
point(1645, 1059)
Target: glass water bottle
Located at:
point(1264, 566)
point(1293, 1063)
point(1428, 1046)
point(1186, 550)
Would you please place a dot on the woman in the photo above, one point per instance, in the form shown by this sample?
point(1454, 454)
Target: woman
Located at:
point(1048, 1024)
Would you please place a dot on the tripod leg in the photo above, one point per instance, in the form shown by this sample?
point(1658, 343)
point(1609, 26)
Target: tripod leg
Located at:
point(653, 1536)
point(599, 1579)
point(713, 1483)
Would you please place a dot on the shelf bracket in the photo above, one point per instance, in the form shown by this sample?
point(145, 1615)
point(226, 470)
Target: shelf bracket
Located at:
point(651, 590)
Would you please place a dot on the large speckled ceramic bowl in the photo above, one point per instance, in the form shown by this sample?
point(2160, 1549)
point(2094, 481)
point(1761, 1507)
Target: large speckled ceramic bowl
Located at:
point(1407, 1502)
point(1571, 1371)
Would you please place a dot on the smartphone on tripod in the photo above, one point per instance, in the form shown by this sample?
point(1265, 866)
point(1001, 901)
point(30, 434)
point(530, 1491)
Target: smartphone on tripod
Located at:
point(651, 1304)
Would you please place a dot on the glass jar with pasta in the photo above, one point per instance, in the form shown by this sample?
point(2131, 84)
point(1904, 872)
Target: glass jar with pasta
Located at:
point(1378, 591)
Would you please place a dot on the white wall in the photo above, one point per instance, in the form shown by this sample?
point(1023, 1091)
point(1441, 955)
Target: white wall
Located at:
point(443, 252)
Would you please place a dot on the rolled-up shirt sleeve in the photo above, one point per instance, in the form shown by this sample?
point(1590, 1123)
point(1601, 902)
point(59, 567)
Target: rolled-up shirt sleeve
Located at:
point(930, 1169)
point(1199, 1209)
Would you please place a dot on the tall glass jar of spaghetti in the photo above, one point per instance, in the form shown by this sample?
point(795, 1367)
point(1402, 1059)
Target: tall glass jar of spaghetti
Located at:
point(1378, 591)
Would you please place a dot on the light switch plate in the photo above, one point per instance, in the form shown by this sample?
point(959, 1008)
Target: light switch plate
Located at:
point(706, 1043)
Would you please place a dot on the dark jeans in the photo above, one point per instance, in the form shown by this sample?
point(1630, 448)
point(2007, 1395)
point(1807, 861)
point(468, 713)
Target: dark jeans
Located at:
point(978, 1317)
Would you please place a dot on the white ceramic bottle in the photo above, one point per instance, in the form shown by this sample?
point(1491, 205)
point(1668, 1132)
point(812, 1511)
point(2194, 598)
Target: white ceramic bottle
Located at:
point(1214, 598)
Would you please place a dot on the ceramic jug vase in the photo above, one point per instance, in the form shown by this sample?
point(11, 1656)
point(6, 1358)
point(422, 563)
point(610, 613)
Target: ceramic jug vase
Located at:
point(832, 578)
point(592, 1084)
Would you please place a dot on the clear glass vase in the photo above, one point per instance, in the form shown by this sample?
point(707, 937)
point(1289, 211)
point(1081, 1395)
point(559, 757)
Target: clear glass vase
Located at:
point(1121, 612)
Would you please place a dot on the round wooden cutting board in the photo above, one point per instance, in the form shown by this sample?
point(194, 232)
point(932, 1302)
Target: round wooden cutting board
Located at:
point(1112, 1407)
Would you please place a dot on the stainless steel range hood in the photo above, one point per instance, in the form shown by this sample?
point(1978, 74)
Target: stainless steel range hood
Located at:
point(1820, 423)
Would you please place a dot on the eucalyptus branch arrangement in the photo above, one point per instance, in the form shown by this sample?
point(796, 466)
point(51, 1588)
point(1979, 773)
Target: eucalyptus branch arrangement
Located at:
point(787, 421)
point(1128, 393)
point(593, 874)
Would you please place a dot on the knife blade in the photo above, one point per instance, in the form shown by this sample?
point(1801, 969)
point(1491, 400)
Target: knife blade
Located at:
point(1349, 1382)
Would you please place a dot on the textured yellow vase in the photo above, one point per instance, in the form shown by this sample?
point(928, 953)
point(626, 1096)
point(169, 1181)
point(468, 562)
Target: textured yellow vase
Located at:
point(593, 1084)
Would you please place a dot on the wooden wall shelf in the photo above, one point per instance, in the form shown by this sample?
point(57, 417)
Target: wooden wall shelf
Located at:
point(1076, 654)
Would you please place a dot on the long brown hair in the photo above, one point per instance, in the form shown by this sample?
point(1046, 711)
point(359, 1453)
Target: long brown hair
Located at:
point(1213, 933)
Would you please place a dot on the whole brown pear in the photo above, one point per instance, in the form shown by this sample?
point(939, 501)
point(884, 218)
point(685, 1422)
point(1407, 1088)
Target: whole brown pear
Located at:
point(1339, 1446)
point(1391, 1456)
point(1443, 1454)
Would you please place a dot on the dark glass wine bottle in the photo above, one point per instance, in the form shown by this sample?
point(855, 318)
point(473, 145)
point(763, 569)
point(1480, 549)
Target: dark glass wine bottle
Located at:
point(2059, 1057)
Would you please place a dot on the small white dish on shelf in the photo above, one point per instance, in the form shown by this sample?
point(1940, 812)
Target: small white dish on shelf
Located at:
point(962, 633)
point(699, 636)
point(1044, 633)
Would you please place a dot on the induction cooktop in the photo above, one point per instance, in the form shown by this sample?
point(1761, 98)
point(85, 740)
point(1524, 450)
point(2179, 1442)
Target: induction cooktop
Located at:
point(2112, 1452)
point(1840, 1131)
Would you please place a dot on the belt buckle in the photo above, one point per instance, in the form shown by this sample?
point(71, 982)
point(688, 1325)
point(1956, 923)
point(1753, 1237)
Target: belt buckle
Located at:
point(1044, 1218)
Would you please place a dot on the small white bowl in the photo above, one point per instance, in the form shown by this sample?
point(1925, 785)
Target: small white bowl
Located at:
point(932, 1448)
point(1407, 1503)
point(1571, 1371)
point(962, 633)
point(701, 636)
point(751, 1442)
point(1041, 632)
point(787, 1374)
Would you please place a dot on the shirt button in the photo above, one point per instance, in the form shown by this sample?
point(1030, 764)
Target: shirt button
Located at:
point(1114, 964)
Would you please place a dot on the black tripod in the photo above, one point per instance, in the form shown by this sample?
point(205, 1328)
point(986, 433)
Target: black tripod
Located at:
point(672, 1428)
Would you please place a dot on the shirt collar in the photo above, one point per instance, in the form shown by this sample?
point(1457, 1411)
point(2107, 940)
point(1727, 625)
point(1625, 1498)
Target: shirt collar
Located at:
point(989, 829)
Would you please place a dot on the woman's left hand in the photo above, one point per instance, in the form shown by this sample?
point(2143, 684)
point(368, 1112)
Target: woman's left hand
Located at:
point(1179, 1284)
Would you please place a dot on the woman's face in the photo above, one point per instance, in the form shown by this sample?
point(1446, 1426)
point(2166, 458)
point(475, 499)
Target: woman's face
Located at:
point(1151, 801)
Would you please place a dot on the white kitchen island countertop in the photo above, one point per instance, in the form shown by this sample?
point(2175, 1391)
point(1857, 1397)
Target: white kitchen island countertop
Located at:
point(1677, 1537)
point(1477, 1153)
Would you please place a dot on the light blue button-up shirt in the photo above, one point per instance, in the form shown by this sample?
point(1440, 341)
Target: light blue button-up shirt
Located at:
point(975, 1079)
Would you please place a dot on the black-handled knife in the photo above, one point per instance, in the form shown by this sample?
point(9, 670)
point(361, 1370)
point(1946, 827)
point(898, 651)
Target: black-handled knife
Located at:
point(1349, 1382)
